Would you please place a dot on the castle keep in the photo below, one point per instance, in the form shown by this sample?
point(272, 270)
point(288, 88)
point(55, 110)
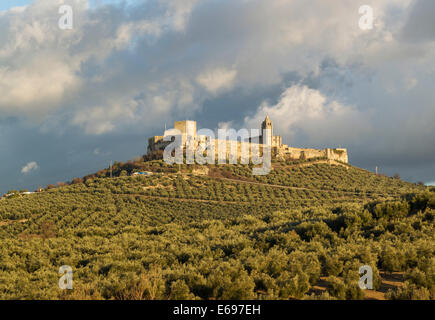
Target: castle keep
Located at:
point(188, 131)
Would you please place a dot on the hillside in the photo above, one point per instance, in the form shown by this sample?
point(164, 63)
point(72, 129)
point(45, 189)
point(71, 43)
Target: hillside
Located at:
point(302, 231)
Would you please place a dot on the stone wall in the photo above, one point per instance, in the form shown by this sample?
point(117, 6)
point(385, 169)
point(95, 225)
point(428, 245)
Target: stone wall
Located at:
point(290, 153)
point(279, 150)
point(282, 153)
point(339, 154)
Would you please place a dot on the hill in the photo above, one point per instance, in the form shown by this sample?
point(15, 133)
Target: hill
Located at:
point(186, 232)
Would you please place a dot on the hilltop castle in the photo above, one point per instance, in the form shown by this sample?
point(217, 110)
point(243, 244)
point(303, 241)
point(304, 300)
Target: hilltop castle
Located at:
point(188, 132)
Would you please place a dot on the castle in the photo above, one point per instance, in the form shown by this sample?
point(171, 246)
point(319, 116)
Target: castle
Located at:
point(188, 132)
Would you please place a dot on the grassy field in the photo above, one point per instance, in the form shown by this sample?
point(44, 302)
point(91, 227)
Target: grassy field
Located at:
point(301, 232)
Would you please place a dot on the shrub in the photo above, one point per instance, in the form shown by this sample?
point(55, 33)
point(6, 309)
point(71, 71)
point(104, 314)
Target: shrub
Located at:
point(331, 265)
point(336, 287)
point(409, 291)
point(293, 285)
point(180, 291)
point(391, 259)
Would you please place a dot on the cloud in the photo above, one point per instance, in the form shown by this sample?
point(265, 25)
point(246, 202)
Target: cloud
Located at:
point(217, 79)
point(307, 111)
point(123, 66)
point(100, 119)
point(27, 86)
point(420, 24)
point(126, 70)
point(225, 125)
point(179, 11)
point(31, 166)
point(44, 70)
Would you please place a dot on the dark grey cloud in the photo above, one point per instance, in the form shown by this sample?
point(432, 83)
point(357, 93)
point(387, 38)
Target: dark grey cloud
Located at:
point(420, 23)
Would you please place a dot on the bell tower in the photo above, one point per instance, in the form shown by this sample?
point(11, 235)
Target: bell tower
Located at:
point(266, 124)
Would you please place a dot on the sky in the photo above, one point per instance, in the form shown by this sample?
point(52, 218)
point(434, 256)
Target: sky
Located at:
point(7, 4)
point(71, 101)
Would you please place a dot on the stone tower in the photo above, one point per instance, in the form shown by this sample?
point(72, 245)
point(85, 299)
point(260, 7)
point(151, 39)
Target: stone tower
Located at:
point(274, 141)
point(187, 129)
point(266, 124)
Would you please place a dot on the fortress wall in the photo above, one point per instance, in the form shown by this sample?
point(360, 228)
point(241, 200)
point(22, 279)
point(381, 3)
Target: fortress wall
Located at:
point(339, 154)
point(237, 145)
point(283, 152)
point(300, 153)
point(279, 151)
point(312, 153)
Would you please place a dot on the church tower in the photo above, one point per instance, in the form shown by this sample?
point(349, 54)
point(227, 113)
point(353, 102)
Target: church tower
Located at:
point(267, 124)
point(274, 141)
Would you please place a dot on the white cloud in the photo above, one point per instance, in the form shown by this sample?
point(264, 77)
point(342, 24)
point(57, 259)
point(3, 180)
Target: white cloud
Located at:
point(304, 110)
point(217, 79)
point(179, 11)
point(31, 166)
point(43, 69)
point(101, 119)
point(225, 125)
point(37, 86)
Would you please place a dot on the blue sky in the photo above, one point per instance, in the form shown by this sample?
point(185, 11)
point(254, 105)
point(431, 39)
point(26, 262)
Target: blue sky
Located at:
point(71, 101)
point(6, 4)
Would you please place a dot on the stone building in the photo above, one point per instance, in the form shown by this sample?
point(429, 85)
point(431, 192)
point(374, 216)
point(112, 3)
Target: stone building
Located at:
point(188, 131)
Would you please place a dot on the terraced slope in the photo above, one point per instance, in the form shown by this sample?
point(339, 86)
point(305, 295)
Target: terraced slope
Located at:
point(225, 235)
